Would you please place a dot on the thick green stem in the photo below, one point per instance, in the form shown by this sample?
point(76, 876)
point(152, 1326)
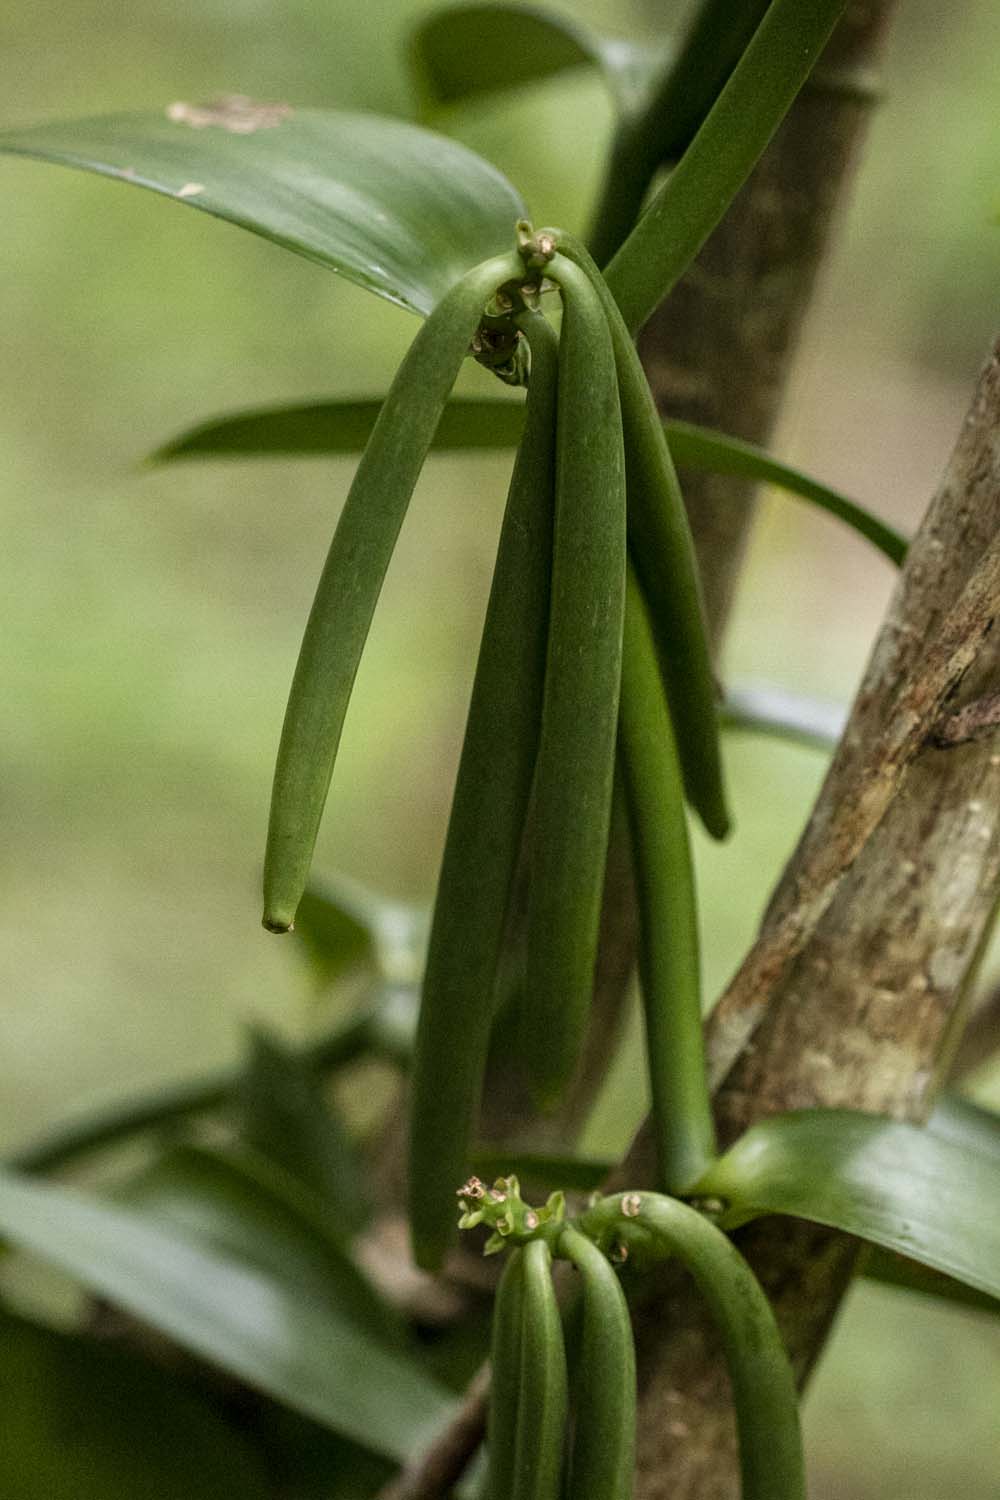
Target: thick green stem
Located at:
point(676, 107)
point(486, 826)
point(764, 1395)
point(743, 119)
point(668, 933)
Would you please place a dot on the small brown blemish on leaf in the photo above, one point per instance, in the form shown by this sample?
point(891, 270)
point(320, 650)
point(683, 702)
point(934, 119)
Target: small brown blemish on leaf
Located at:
point(237, 113)
point(631, 1204)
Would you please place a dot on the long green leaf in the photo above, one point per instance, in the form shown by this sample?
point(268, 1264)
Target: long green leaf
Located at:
point(243, 1205)
point(397, 209)
point(288, 1119)
point(84, 1422)
point(461, 51)
point(934, 1199)
point(260, 1327)
point(697, 447)
point(338, 427)
point(323, 427)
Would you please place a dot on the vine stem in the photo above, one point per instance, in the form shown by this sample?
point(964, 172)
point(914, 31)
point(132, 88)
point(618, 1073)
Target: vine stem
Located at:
point(732, 138)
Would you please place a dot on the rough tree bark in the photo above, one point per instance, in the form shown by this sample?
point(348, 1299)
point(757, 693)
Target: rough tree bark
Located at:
point(864, 1014)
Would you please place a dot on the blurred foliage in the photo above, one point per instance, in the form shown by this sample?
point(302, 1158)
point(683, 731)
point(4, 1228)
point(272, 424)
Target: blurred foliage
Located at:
point(151, 619)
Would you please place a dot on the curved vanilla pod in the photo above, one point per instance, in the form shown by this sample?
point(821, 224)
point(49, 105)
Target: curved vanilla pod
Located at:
point(505, 1376)
point(352, 580)
point(486, 824)
point(663, 551)
point(542, 1402)
point(670, 979)
point(575, 772)
point(602, 1456)
point(772, 1466)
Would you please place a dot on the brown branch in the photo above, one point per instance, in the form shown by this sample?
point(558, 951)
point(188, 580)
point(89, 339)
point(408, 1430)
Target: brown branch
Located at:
point(438, 1470)
point(865, 1015)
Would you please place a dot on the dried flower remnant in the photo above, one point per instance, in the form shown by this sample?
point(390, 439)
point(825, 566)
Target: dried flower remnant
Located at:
point(237, 113)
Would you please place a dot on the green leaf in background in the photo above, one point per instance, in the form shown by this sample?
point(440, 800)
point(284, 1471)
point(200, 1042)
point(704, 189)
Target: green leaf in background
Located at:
point(696, 447)
point(929, 1197)
point(287, 1118)
point(395, 208)
point(344, 924)
point(84, 1422)
point(344, 427)
point(338, 427)
point(463, 50)
point(241, 1205)
point(763, 708)
point(262, 1328)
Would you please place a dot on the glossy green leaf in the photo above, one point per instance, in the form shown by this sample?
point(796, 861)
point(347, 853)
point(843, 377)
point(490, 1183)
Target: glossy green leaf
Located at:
point(288, 1119)
point(696, 447)
point(463, 50)
point(241, 1204)
point(930, 1197)
point(81, 1421)
point(397, 209)
point(261, 1327)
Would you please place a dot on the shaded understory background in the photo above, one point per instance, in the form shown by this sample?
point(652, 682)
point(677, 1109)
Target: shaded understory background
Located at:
point(151, 618)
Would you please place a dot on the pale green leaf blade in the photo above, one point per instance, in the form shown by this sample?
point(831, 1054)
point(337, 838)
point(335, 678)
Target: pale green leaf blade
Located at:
point(329, 427)
point(81, 1421)
point(260, 1328)
point(463, 50)
point(399, 210)
point(934, 1199)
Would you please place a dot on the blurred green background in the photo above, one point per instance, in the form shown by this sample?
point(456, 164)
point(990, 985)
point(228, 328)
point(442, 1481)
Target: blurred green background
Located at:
point(151, 618)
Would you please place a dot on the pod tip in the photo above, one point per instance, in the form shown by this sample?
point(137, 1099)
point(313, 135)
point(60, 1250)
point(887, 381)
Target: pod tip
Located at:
point(276, 923)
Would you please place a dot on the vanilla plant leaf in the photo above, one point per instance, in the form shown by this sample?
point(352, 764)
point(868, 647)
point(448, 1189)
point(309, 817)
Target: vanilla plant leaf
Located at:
point(399, 210)
point(909, 1188)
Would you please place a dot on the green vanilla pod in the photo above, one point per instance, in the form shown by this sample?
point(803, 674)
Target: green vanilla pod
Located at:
point(668, 924)
point(661, 545)
point(575, 773)
point(772, 1466)
point(486, 824)
point(352, 580)
point(543, 1400)
point(505, 1376)
point(602, 1456)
